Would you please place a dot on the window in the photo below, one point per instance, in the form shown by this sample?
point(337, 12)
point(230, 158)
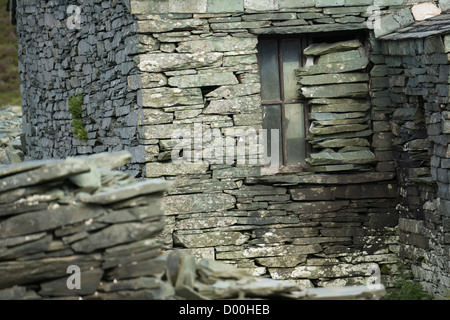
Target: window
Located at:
point(282, 107)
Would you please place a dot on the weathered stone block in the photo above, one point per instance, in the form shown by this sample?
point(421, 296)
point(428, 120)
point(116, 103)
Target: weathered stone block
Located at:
point(219, 6)
point(291, 4)
point(333, 78)
point(168, 97)
point(353, 157)
point(261, 5)
point(326, 48)
point(157, 62)
point(218, 45)
point(393, 22)
point(187, 6)
point(210, 239)
point(203, 80)
point(197, 203)
point(335, 67)
point(234, 106)
point(158, 169)
point(330, 3)
point(352, 90)
point(166, 25)
point(149, 7)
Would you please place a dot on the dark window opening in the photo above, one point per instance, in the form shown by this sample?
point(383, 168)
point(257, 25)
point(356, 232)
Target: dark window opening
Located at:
point(283, 109)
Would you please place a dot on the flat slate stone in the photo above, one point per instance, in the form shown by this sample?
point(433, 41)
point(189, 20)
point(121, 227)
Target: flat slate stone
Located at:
point(168, 97)
point(127, 192)
point(354, 157)
point(203, 80)
point(158, 62)
point(315, 130)
point(89, 279)
point(46, 173)
point(28, 248)
point(117, 234)
point(326, 178)
point(6, 170)
point(197, 203)
point(32, 271)
point(338, 143)
point(334, 67)
point(151, 267)
point(166, 25)
point(218, 45)
point(333, 78)
point(355, 90)
point(12, 293)
point(210, 239)
point(35, 222)
point(326, 48)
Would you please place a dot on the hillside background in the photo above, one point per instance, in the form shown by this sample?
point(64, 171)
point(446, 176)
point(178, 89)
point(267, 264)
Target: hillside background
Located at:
point(9, 70)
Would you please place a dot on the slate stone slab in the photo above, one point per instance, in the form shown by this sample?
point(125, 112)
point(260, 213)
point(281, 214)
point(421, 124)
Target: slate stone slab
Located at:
point(35, 222)
point(157, 62)
point(334, 67)
point(28, 248)
point(354, 157)
point(48, 172)
point(117, 234)
point(197, 203)
point(218, 45)
point(333, 79)
point(127, 192)
point(355, 90)
point(168, 97)
point(23, 272)
point(326, 48)
point(325, 178)
point(210, 239)
point(89, 279)
point(151, 267)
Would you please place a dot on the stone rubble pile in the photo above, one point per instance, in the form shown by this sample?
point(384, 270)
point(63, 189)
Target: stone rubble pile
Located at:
point(11, 149)
point(59, 214)
point(337, 85)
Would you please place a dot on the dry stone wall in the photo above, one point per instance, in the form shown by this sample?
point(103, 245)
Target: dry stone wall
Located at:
point(148, 69)
point(419, 80)
point(59, 59)
point(77, 229)
point(325, 225)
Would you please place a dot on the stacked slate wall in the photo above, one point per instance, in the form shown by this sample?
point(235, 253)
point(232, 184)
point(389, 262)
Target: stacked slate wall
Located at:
point(200, 71)
point(59, 59)
point(76, 228)
point(419, 81)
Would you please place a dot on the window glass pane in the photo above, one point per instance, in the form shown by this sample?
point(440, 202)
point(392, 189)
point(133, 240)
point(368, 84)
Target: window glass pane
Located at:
point(272, 120)
point(291, 61)
point(295, 133)
point(270, 82)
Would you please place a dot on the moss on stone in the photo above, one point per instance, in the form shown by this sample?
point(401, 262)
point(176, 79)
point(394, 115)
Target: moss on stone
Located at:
point(75, 109)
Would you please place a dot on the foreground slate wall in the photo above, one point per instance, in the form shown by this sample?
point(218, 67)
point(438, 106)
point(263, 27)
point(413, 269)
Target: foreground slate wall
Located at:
point(325, 225)
point(59, 214)
point(58, 59)
point(418, 76)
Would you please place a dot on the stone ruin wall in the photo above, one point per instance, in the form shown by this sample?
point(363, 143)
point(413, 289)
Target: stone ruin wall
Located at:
point(57, 61)
point(320, 228)
point(419, 80)
point(326, 226)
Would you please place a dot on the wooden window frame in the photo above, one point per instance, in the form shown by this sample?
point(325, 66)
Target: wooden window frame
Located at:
point(305, 41)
